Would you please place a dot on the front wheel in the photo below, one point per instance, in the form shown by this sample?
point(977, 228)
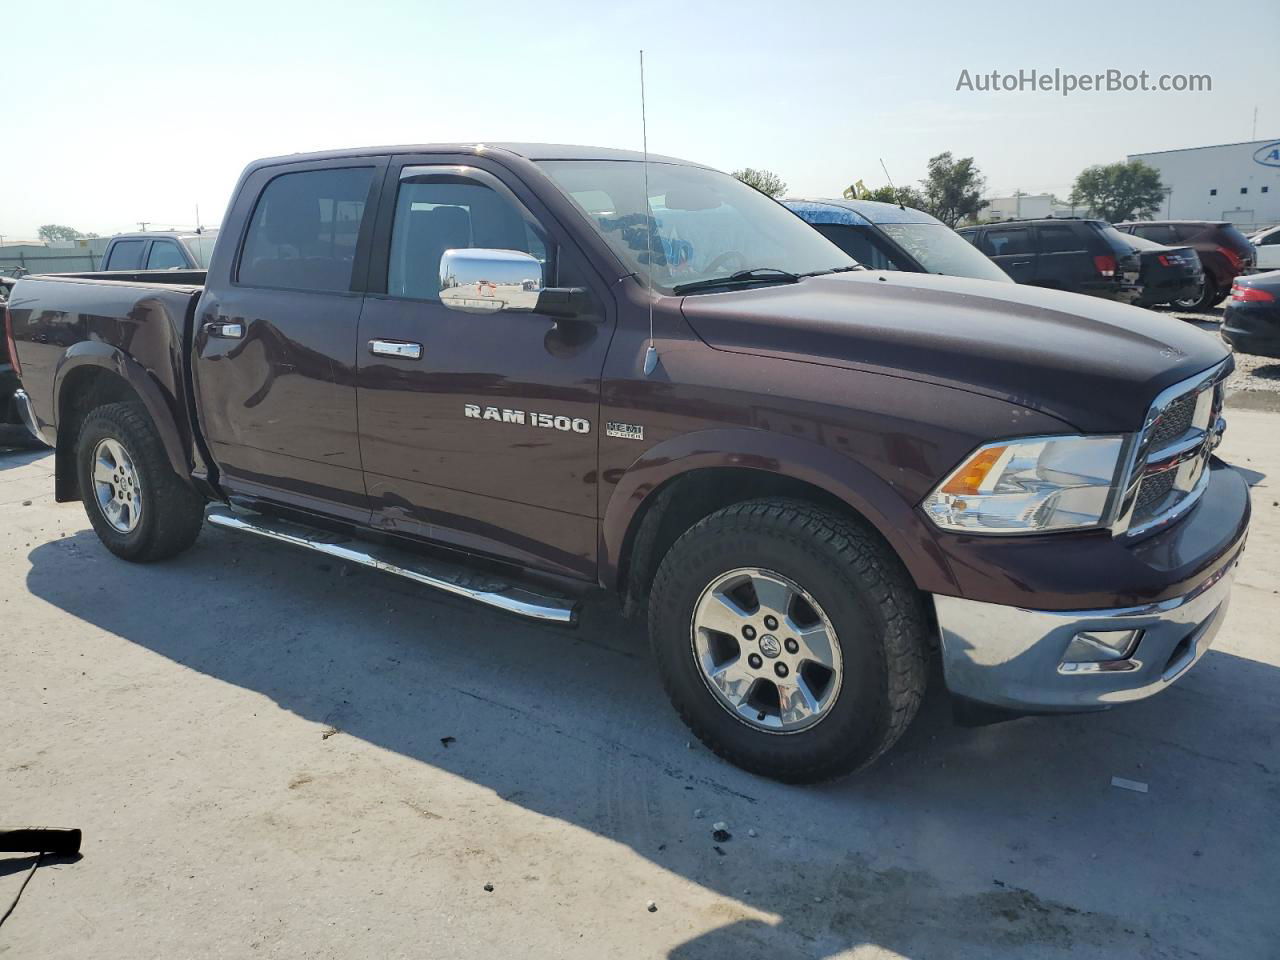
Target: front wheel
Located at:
point(790, 639)
point(140, 509)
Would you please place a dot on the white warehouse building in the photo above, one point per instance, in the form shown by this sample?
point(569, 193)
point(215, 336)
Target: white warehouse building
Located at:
point(1239, 182)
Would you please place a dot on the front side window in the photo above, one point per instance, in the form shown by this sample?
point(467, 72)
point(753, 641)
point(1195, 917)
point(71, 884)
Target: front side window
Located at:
point(859, 243)
point(443, 211)
point(126, 255)
point(165, 255)
point(1003, 243)
point(705, 225)
point(303, 232)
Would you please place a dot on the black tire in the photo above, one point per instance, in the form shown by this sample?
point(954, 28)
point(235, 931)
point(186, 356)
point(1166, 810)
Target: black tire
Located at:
point(1206, 299)
point(170, 513)
point(877, 614)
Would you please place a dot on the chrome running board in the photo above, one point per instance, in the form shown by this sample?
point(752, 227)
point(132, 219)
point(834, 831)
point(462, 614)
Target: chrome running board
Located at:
point(457, 580)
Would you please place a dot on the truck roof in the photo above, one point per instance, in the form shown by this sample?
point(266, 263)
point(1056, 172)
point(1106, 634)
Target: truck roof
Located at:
point(529, 151)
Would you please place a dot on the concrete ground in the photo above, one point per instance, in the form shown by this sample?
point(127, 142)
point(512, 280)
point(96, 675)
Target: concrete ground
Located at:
point(273, 756)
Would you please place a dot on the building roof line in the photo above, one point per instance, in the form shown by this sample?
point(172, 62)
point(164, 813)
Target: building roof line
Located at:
point(1212, 146)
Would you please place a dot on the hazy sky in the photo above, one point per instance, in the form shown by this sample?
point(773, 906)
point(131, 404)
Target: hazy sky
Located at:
point(124, 111)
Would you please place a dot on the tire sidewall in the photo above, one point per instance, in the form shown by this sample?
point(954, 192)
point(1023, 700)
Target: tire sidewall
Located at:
point(854, 725)
point(98, 427)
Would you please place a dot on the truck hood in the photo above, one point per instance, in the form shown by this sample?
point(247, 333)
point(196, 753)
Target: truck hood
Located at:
point(1095, 364)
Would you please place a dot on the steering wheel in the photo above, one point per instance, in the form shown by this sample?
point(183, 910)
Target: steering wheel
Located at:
point(740, 262)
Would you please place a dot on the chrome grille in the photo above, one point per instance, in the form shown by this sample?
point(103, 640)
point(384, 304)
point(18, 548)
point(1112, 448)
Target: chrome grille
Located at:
point(1174, 422)
point(1170, 465)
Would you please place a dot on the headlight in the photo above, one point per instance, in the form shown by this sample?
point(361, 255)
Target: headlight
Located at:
point(1029, 485)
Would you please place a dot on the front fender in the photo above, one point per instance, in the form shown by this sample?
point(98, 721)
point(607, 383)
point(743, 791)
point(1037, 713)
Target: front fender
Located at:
point(162, 407)
point(793, 457)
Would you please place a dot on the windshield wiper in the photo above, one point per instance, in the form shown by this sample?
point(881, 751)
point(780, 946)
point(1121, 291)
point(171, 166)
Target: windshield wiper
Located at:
point(823, 273)
point(754, 275)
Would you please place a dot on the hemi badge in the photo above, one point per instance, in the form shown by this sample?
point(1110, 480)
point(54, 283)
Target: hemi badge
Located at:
point(625, 431)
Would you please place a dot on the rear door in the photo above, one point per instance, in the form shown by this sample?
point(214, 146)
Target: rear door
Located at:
point(276, 341)
point(125, 255)
point(1064, 260)
point(484, 435)
point(165, 254)
point(1013, 248)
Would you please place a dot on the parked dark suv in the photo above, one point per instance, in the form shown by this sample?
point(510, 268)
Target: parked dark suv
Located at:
point(1224, 252)
point(1088, 256)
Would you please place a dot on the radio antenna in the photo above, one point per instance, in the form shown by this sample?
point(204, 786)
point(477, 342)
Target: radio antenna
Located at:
point(901, 205)
point(650, 355)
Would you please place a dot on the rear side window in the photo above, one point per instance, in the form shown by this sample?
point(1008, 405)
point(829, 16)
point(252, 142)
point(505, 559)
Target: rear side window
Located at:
point(997, 243)
point(1159, 233)
point(304, 229)
point(125, 255)
point(165, 255)
point(1059, 239)
point(436, 212)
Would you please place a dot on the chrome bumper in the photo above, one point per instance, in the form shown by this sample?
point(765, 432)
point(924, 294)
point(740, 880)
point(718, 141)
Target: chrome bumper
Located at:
point(28, 415)
point(1011, 657)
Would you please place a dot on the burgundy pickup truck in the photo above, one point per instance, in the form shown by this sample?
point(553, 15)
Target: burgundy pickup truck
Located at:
point(517, 373)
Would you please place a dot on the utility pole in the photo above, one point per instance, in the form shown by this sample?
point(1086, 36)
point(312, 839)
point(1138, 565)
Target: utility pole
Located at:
point(143, 224)
point(1255, 122)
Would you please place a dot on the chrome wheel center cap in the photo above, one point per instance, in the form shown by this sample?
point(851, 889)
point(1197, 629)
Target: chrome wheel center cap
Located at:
point(770, 646)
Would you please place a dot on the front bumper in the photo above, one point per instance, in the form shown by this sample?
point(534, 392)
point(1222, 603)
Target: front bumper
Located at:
point(1011, 654)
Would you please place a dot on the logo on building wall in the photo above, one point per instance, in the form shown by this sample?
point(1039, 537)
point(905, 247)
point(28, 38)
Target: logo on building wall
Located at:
point(1269, 155)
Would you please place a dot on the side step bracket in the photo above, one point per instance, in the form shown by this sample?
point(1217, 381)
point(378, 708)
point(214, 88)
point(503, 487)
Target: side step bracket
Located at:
point(454, 579)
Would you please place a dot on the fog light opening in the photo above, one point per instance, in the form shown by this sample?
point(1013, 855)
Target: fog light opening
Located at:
point(1100, 646)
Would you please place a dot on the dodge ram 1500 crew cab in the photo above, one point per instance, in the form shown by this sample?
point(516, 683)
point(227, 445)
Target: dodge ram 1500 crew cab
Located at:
point(514, 373)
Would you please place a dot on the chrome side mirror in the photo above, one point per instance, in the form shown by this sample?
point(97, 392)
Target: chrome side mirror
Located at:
point(477, 280)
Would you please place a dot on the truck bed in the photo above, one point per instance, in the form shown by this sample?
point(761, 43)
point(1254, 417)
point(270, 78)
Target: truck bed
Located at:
point(135, 325)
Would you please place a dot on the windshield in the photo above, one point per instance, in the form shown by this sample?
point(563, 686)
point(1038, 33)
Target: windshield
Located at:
point(705, 224)
point(939, 249)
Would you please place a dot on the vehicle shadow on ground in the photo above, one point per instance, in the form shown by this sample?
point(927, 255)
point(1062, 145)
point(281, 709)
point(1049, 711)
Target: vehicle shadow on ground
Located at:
point(1004, 841)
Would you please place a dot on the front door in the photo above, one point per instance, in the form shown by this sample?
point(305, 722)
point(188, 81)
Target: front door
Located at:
point(276, 345)
point(1012, 249)
point(483, 432)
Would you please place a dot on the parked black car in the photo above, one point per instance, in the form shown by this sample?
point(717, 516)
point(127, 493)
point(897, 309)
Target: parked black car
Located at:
point(1225, 253)
point(885, 236)
point(1251, 321)
point(1168, 274)
point(1087, 256)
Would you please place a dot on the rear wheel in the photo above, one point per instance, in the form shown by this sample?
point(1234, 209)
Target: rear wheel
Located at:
point(140, 509)
point(1203, 299)
point(790, 639)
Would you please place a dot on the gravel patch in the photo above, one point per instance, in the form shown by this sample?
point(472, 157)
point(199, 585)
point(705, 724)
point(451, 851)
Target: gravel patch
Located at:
point(1255, 383)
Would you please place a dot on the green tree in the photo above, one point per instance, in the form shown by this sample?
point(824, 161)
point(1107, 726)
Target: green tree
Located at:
point(56, 231)
point(902, 196)
point(953, 188)
point(1119, 191)
point(765, 181)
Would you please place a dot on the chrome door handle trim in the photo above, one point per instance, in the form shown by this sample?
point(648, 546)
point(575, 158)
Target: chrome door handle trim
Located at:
point(226, 331)
point(396, 348)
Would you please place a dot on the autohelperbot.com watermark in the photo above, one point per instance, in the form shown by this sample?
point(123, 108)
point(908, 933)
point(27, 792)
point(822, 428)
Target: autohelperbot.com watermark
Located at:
point(1066, 82)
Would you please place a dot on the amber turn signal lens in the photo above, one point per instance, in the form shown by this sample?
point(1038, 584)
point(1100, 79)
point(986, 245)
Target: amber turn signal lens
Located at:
point(968, 479)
